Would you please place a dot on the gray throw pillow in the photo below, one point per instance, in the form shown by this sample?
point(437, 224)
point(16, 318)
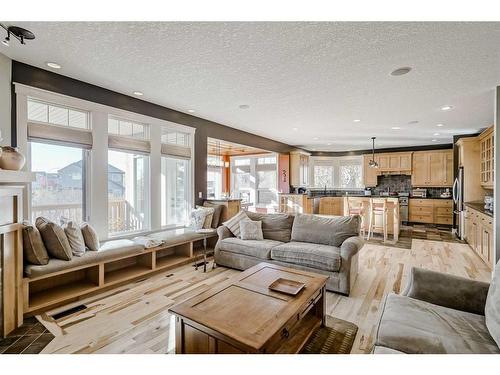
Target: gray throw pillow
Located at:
point(217, 212)
point(251, 230)
point(233, 224)
point(325, 230)
point(90, 237)
point(277, 227)
point(75, 238)
point(54, 239)
point(33, 248)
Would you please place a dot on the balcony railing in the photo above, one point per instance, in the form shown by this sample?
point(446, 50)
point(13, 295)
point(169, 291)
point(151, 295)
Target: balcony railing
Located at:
point(121, 215)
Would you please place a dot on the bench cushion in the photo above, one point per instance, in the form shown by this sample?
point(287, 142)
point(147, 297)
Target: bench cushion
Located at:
point(109, 250)
point(413, 326)
point(255, 248)
point(312, 255)
point(178, 236)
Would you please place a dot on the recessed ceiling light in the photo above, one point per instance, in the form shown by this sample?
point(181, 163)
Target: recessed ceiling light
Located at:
point(191, 111)
point(295, 129)
point(244, 106)
point(401, 71)
point(434, 140)
point(413, 122)
point(328, 144)
point(138, 93)
point(316, 138)
point(435, 134)
point(53, 65)
point(439, 125)
point(357, 120)
point(395, 128)
point(446, 108)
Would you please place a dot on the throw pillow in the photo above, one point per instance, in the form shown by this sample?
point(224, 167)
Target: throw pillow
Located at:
point(198, 218)
point(251, 230)
point(332, 230)
point(233, 224)
point(33, 247)
point(207, 224)
point(217, 212)
point(75, 238)
point(90, 237)
point(54, 239)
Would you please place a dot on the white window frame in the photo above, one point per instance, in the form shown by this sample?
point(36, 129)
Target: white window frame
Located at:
point(335, 162)
point(97, 170)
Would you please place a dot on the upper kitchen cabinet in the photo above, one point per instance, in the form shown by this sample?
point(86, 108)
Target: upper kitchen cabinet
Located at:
point(299, 168)
point(388, 163)
point(432, 168)
point(486, 148)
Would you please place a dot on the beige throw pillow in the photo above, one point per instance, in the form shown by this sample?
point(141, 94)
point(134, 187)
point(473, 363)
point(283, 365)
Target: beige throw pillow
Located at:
point(207, 224)
point(54, 239)
point(233, 224)
point(75, 238)
point(33, 248)
point(90, 237)
point(251, 230)
point(217, 212)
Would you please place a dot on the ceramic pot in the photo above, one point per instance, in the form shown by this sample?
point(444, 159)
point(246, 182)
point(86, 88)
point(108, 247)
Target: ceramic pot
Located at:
point(11, 159)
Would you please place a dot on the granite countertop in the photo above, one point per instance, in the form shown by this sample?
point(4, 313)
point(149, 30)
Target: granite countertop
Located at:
point(479, 206)
point(430, 197)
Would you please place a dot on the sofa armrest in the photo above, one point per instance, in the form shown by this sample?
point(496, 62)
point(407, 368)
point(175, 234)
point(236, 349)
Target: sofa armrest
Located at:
point(351, 246)
point(224, 232)
point(450, 291)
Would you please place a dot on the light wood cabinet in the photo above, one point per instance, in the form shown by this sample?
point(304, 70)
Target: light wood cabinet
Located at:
point(432, 168)
point(296, 204)
point(299, 169)
point(479, 234)
point(331, 206)
point(388, 163)
point(431, 211)
point(487, 157)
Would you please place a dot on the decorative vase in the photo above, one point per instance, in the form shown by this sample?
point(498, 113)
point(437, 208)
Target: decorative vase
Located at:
point(11, 159)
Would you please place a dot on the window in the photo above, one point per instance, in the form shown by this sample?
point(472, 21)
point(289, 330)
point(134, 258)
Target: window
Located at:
point(127, 128)
point(128, 187)
point(215, 168)
point(42, 112)
point(174, 137)
point(175, 191)
point(60, 184)
point(338, 172)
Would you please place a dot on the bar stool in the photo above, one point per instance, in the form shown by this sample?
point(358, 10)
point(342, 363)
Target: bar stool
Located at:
point(355, 207)
point(378, 209)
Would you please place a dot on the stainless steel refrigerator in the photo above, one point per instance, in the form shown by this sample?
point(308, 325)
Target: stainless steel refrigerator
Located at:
point(458, 200)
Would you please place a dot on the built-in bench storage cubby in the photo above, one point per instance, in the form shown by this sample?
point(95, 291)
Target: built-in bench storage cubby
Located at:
point(49, 290)
point(72, 283)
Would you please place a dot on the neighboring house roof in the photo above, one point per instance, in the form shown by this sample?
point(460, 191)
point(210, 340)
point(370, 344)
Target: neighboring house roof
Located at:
point(78, 164)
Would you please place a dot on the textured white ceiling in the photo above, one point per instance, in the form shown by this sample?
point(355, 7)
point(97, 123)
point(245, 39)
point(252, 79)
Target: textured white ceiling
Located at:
point(316, 77)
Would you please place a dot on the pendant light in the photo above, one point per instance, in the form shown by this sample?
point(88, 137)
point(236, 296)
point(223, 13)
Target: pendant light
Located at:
point(372, 163)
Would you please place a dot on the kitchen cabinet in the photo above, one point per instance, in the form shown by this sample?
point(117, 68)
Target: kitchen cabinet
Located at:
point(479, 234)
point(432, 168)
point(430, 211)
point(331, 206)
point(296, 204)
point(299, 169)
point(388, 163)
point(487, 149)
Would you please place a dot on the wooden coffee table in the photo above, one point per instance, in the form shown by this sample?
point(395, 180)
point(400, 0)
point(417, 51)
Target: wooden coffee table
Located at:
point(244, 316)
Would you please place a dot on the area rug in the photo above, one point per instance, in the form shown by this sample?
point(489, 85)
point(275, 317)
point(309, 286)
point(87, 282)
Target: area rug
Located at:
point(337, 337)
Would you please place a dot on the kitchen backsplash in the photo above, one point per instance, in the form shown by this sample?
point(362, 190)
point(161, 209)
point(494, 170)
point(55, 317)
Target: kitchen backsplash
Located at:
point(397, 183)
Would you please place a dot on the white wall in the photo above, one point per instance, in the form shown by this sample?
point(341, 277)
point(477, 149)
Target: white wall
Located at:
point(5, 78)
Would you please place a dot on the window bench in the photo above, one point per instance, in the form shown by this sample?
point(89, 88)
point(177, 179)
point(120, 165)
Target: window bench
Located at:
point(116, 261)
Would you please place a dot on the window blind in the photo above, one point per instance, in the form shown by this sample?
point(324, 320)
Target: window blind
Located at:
point(176, 151)
point(67, 135)
point(129, 144)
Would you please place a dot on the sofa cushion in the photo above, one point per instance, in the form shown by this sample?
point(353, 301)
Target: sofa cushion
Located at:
point(108, 251)
point(277, 227)
point(413, 326)
point(317, 256)
point(54, 238)
point(384, 350)
point(259, 249)
point(326, 230)
point(492, 306)
point(33, 248)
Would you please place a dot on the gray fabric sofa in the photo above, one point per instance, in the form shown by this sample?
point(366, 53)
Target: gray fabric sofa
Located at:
point(325, 245)
point(439, 313)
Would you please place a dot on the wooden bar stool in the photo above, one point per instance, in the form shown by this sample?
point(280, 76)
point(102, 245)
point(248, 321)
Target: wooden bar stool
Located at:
point(378, 209)
point(355, 207)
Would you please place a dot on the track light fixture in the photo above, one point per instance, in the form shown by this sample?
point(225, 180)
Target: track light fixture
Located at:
point(17, 32)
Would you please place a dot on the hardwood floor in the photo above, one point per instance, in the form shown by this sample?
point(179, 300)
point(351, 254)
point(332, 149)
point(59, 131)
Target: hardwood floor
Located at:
point(133, 318)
